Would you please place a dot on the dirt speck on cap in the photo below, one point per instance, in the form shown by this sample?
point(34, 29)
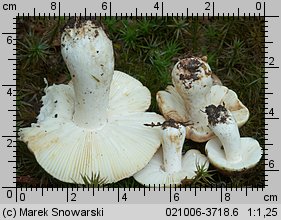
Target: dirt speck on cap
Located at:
point(190, 64)
point(96, 33)
point(77, 22)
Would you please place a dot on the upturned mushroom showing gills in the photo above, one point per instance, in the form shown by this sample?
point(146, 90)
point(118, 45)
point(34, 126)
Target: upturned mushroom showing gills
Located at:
point(194, 88)
point(228, 151)
point(168, 165)
point(95, 124)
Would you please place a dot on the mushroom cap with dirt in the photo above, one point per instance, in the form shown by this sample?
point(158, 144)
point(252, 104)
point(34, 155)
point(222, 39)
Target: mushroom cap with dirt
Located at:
point(195, 87)
point(95, 124)
point(228, 151)
point(169, 167)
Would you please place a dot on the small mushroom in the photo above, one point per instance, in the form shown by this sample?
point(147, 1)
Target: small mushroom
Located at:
point(100, 115)
point(168, 166)
point(195, 87)
point(228, 151)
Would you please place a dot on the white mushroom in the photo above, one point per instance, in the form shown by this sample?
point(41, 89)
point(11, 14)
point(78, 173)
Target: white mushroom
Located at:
point(95, 124)
point(194, 88)
point(168, 166)
point(228, 151)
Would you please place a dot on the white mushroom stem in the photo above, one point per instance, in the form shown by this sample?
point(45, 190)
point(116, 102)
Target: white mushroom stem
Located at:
point(173, 139)
point(88, 54)
point(226, 129)
point(193, 81)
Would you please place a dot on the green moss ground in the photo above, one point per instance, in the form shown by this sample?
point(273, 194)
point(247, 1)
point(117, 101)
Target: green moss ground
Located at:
point(147, 50)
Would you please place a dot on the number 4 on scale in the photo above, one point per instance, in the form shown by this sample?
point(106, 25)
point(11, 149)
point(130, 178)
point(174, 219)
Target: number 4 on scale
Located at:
point(271, 112)
point(9, 92)
point(157, 5)
point(124, 197)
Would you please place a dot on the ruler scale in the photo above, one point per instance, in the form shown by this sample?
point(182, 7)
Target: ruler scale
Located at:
point(217, 200)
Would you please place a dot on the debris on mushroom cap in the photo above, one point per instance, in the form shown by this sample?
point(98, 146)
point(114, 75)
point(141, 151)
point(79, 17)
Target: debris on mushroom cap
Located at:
point(170, 123)
point(228, 151)
point(193, 89)
point(190, 70)
point(192, 65)
point(95, 124)
point(168, 166)
point(217, 114)
point(229, 99)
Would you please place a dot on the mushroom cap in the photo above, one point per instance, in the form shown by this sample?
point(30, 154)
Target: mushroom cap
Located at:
point(154, 174)
point(195, 86)
point(116, 151)
point(172, 106)
point(216, 79)
point(127, 95)
point(250, 150)
point(223, 95)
